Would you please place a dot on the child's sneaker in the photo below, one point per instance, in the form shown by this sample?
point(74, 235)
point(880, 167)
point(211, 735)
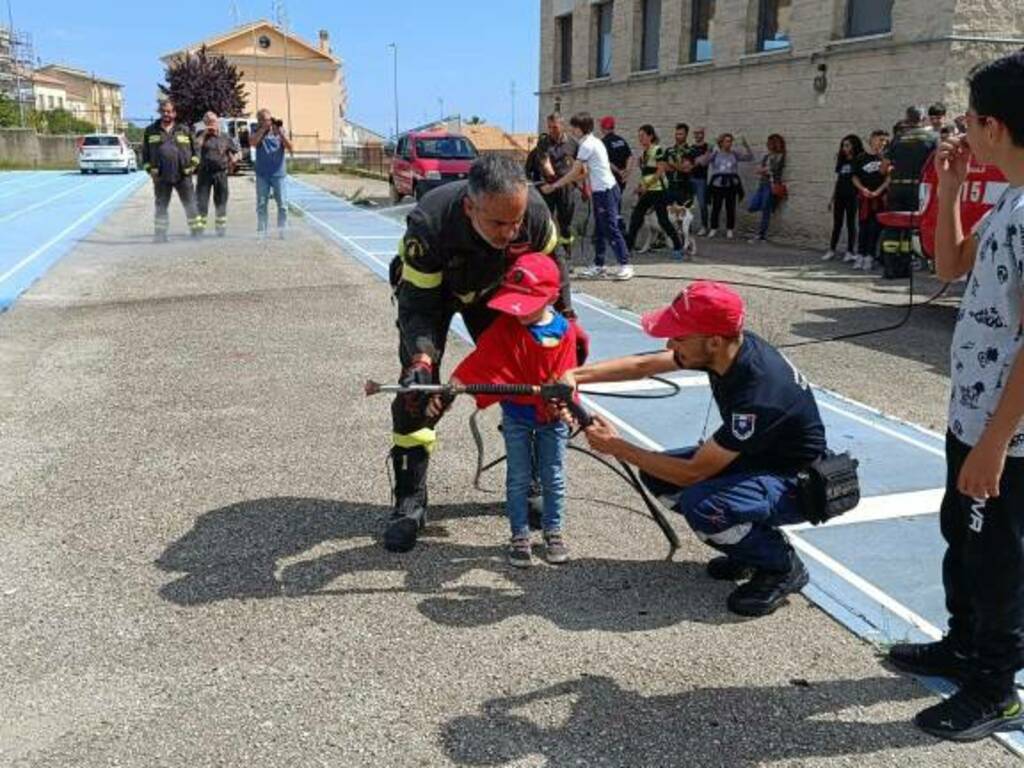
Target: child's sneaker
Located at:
point(520, 552)
point(555, 550)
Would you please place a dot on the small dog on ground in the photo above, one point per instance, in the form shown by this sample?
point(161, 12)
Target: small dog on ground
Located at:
point(650, 234)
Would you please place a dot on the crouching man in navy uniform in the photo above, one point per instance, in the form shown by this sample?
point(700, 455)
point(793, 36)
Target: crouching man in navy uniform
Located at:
point(738, 487)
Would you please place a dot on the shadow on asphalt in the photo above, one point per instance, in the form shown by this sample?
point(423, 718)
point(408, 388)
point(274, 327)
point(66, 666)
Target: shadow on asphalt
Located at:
point(741, 726)
point(235, 552)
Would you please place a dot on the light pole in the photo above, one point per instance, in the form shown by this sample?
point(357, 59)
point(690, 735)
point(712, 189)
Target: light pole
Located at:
point(394, 48)
point(440, 104)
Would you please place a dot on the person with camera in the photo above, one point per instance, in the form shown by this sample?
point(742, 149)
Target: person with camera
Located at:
point(271, 142)
point(738, 487)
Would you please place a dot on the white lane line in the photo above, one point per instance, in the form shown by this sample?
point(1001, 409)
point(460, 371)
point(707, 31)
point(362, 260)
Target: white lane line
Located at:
point(867, 588)
point(645, 385)
point(131, 187)
point(376, 237)
point(43, 203)
point(347, 240)
point(346, 204)
point(19, 190)
point(581, 298)
point(890, 506)
point(893, 433)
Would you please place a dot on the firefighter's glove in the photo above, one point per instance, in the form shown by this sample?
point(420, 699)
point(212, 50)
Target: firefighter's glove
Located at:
point(420, 372)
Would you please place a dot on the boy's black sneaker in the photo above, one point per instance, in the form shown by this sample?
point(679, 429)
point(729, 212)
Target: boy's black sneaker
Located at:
point(969, 715)
point(768, 590)
point(520, 552)
point(936, 659)
point(555, 550)
point(726, 569)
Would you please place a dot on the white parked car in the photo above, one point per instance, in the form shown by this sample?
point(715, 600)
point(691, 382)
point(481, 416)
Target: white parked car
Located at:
point(106, 152)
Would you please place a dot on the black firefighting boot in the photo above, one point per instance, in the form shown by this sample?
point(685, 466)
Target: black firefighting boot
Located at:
point(410, 515)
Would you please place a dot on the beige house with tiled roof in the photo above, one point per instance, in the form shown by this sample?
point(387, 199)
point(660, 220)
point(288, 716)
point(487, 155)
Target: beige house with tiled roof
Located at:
point(88, 97)
point(301, 83)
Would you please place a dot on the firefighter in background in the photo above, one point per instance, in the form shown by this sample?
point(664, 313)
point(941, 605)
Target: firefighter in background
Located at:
point(458, 244)
point(217, 156)
point(552, 158)
point(169, 156)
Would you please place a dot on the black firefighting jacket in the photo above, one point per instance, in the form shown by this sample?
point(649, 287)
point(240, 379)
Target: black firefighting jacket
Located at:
point(172, 153)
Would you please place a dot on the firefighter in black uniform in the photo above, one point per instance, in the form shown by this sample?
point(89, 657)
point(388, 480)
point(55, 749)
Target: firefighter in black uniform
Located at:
point(554, 156)
point(904, 162)
point(217, 155)
point(169, 156)
point(458, 244)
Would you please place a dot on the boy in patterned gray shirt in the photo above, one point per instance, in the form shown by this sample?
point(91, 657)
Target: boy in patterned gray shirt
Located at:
point(982, 515)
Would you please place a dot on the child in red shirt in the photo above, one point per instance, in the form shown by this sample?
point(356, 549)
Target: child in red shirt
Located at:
point(529, 343)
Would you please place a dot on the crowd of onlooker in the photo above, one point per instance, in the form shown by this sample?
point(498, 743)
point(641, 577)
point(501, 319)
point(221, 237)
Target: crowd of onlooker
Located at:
point(881, 173)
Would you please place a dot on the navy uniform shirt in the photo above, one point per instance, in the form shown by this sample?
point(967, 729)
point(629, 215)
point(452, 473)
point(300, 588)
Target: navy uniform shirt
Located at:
point(769, 415)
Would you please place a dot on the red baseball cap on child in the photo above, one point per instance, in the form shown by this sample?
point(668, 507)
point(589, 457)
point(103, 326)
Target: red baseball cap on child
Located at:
point(530, 284)
point(703, 308)
point(607, 123)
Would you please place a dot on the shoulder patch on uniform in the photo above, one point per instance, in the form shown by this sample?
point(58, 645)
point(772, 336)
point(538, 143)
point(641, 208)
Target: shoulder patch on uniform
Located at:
point(743, 425)
point(414, 247)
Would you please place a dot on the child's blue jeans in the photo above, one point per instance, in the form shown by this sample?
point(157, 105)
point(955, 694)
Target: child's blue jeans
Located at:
point(522, 437)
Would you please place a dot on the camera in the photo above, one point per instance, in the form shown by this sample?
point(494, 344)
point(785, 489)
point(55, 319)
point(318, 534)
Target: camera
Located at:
point(277, 123)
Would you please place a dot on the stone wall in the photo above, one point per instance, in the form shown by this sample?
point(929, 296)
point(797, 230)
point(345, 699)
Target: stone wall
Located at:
point(24, 147)
point(870, 83)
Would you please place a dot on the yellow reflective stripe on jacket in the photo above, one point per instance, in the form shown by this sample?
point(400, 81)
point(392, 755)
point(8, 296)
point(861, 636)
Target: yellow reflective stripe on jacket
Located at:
point(649, 169)
point(552, 243)
point(422, 437)
point(466, 298)
point(424, 280)
point(182, 138)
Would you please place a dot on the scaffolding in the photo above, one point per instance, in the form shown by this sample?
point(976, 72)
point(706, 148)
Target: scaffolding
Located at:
point(16, 62)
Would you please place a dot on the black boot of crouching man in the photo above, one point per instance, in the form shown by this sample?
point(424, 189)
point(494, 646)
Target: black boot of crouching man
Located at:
point(767, 590)
point(410, 515)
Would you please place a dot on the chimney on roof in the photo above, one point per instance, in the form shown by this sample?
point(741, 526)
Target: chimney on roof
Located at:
point(325, 41)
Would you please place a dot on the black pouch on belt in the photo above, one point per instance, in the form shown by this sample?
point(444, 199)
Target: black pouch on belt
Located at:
point(829, 487)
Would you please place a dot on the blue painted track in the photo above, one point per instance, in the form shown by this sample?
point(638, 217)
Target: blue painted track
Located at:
point(44, 213)
point(876, 570)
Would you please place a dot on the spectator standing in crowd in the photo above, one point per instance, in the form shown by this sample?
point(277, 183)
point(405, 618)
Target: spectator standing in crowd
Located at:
point(592, 162)
point(844, 203)
point(770, 172)
point(699, 177)
point(652, 193)
point(617, 149)
point(871, 186)
point(937, 116)
point(677, 159)
point(217, 156)
point(982, 512)
point(271, 142)
point(724, 181)
point(557, 158)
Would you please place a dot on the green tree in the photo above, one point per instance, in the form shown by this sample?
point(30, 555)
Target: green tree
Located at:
point(62, 122)
point(198, 83)
point(133, 133)
point(9, 116)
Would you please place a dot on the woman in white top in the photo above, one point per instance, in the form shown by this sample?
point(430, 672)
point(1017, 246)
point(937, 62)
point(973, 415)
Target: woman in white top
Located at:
point(592, 161)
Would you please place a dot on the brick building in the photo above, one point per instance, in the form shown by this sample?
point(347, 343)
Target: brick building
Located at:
point(812, 70)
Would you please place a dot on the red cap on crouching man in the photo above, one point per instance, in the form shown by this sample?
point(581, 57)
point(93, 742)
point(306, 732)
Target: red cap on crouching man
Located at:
point(703, 308)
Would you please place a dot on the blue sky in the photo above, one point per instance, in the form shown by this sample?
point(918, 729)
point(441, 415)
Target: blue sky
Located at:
point(464, 51)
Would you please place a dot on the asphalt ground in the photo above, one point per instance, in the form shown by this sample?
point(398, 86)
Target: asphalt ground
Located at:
point(192, 491)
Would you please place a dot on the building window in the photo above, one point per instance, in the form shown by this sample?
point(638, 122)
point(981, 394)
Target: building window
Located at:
point(650, 34)
point(603, 30)
point(703, 24)
point(868, 17)
point(60, 102)
point(773, 25)
point(49, 101)
point(563, 44)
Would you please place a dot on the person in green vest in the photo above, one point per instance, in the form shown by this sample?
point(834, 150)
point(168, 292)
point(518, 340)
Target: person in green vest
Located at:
point(652, 190)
